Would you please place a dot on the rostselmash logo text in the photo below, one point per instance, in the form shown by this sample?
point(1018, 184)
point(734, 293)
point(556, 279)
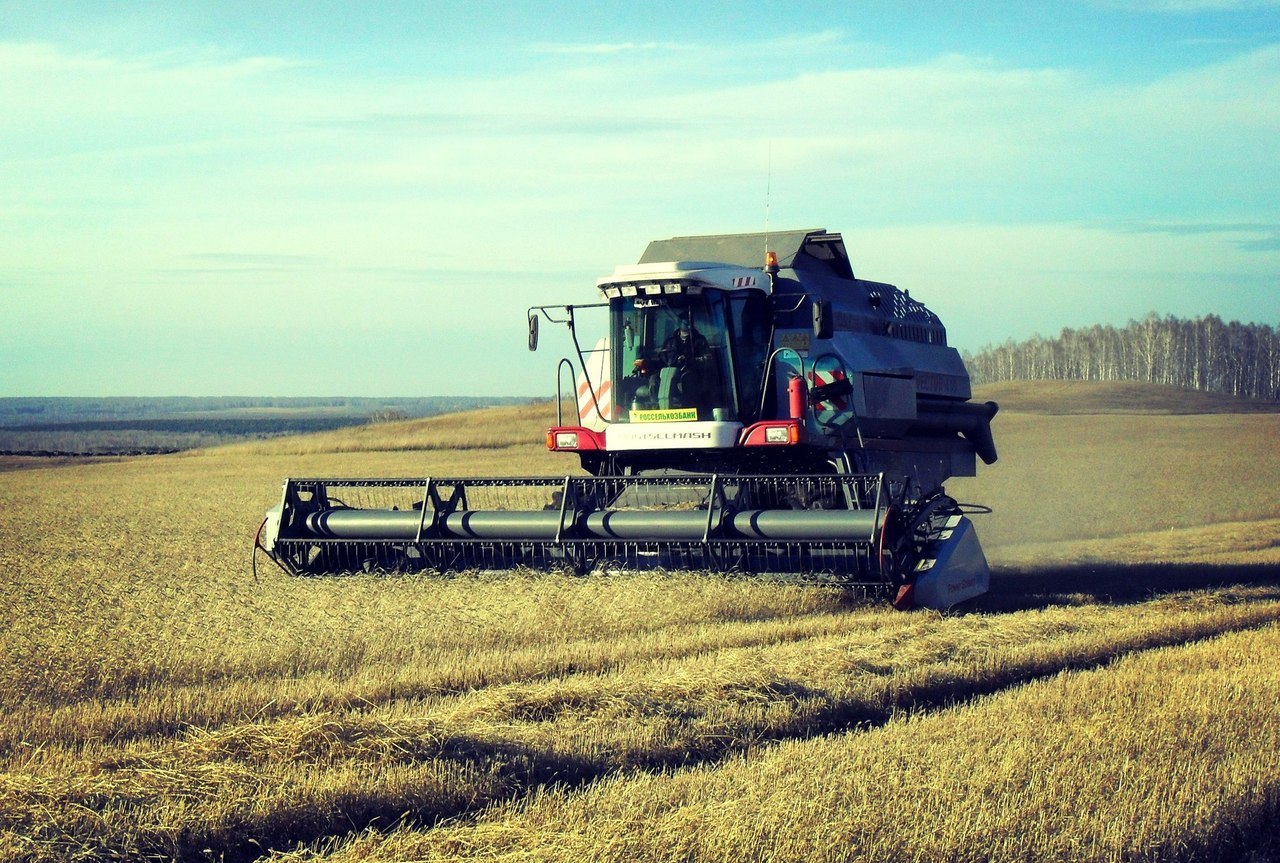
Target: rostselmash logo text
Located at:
point(674, 435)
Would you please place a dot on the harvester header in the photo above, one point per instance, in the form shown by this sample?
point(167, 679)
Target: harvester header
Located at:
point(752, 407)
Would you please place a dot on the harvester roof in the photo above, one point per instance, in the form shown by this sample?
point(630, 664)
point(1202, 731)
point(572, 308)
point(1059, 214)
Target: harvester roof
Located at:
point(672, 276)
point(808, 249)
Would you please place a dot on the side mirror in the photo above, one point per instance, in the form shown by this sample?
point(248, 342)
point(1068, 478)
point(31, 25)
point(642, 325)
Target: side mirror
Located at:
point(533, 331)
point(823, 319)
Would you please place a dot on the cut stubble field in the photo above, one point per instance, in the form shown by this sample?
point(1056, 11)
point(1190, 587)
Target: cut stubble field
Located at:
point(1113, 698)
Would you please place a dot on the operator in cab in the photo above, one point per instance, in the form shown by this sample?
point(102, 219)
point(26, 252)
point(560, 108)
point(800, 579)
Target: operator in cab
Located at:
point(672, 377)
point(685, 346)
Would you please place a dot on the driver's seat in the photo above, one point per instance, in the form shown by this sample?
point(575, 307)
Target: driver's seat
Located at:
point(667, 386)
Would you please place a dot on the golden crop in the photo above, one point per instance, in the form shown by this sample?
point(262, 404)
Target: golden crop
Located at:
point(1114, 698)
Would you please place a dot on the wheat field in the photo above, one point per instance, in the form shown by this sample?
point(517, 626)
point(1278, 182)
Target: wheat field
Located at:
point(1113, 698)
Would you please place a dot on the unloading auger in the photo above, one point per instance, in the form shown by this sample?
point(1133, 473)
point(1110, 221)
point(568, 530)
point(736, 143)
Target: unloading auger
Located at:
point(791, 420)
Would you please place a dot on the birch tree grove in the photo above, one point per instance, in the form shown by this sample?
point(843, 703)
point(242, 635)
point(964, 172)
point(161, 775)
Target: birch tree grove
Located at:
point(1203, 353)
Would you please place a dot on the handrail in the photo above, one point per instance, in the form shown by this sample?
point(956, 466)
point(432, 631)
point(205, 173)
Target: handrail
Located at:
point(769, 363)
point(559, 393)
point(844, 370)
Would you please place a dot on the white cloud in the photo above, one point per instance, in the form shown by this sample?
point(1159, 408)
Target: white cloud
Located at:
point(959, 134)
point(1185, 7)
point(607, 47)
point(231, 191)
point(790, 44)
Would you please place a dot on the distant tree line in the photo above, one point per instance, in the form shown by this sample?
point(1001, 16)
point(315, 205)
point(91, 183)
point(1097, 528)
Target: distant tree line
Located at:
point(1203, 353)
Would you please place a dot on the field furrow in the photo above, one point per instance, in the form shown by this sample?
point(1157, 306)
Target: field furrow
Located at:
point(168, 703)
point(435, 758)
point(1167, 755)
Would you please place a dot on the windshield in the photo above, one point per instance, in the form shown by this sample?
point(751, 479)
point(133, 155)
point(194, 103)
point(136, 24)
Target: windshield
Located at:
point(673, 357)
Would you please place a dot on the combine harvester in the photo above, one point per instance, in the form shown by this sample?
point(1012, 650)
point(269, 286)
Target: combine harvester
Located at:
point(789, 420)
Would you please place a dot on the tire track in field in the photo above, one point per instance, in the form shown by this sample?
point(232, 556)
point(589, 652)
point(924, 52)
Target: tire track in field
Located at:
point(867, 697)
point(160, 710)
point(1011, 777)
point(234, 700)
point(531, 738)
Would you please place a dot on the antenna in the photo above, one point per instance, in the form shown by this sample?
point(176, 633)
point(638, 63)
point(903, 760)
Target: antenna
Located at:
point(768, 190)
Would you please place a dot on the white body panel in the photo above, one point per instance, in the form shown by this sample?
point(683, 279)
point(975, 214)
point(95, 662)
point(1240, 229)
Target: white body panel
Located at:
point(650, 276)
point(671, 435)
point(595, 389)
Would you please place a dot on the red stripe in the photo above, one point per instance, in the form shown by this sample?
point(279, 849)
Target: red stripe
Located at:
point(587, 406)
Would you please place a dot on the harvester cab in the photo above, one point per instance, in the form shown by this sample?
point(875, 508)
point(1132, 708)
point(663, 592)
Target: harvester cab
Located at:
point(786, 419)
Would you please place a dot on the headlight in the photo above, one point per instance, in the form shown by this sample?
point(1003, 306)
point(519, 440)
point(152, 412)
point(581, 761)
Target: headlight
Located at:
point(566, 440)
point(777, 434)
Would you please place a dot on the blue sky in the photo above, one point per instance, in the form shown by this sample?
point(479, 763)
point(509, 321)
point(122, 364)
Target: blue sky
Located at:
point(277, 198)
